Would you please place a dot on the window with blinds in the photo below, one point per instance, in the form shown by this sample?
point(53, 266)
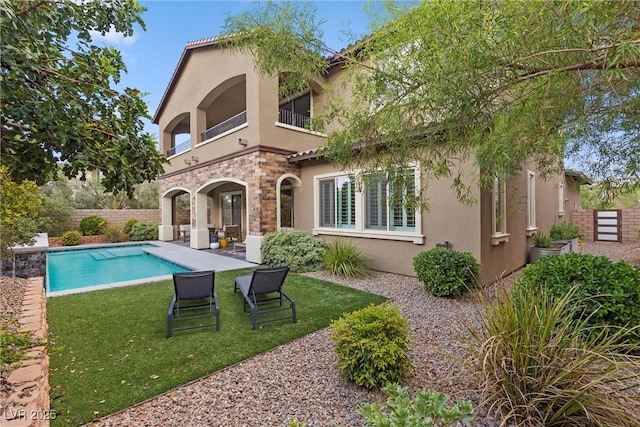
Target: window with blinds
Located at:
point(337, 203)
point(378, 204)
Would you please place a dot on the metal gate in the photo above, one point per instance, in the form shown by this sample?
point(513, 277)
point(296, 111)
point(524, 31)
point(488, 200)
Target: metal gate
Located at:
point(607, 225)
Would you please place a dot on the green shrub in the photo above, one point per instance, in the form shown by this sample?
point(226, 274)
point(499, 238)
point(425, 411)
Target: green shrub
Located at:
point(112, 234)
point(71, 238)
point(344, 258)
point(372, 345)
point(127, 225)
point(143, 231)
point(565, 231)
point(541, 240)
point(429, 409)
point(609, 292)
point(446, 273)
point(92, 225)
point(298, 249)
point(55, 217)
point(537, 367)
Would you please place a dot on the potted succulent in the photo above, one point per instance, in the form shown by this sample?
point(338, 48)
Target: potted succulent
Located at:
point(565, 232)
point(544, 245)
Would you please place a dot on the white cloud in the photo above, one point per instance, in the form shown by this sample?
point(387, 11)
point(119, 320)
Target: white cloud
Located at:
point(113, 38)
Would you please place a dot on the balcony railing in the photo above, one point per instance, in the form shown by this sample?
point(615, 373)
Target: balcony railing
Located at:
point(293, 119)
point(182, 146)
point(225, 126)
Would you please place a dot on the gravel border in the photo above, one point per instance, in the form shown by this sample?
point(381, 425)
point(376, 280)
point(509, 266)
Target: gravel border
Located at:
point(301, 380)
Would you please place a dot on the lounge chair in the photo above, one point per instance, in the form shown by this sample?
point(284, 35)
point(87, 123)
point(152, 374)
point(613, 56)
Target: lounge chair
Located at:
point(262, 292)
point(195, 298)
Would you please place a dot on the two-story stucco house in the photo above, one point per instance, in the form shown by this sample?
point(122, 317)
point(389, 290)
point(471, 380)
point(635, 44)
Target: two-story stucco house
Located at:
point(245, 158)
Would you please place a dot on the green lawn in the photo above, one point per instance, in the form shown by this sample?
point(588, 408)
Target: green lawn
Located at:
point(115, 354)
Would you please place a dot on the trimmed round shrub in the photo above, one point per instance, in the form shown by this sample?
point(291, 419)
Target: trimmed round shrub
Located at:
point(608, 292)
point(92, 225)
point(446, 273)
point(127, 225)
point(297, 249)
point(372, 345)
point(71, 238)
point(143, 231)
point(344, 258)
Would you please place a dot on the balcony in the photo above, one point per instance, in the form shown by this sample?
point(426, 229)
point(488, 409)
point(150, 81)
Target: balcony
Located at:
point(293, 119)
point(225, 126)
point(179, 148)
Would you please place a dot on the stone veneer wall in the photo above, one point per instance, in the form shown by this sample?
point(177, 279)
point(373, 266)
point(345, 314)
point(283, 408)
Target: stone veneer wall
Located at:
point(630, 224)
point(259, 169)
point(28, 404)
point(30, 264)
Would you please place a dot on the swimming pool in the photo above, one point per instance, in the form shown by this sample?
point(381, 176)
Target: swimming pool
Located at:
point(73, 270)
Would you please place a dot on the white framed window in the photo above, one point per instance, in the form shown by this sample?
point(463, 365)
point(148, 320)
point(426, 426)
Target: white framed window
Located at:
point(380, 200)
point(370, 211)
point(531, 203)
point(499, 213)
point(337, 202)
point(561, 199)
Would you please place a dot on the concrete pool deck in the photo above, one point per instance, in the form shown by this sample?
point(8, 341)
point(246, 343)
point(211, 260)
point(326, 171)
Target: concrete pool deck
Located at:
point(179, 254)
point(196, 259)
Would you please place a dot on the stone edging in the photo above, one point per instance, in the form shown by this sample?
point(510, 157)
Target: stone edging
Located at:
point(29, 404)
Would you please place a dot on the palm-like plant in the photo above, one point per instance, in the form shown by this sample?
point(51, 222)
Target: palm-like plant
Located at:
point(344, 258)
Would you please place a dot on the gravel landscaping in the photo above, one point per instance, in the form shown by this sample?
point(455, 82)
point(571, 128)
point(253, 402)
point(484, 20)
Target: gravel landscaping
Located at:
point(301, 380)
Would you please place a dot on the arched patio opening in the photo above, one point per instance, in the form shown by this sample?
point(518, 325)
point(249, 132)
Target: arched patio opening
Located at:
point(175, 210)
point(220, 202)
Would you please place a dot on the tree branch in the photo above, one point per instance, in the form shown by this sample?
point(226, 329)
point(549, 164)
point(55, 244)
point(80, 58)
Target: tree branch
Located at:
point(31, 8)
point(595, 64)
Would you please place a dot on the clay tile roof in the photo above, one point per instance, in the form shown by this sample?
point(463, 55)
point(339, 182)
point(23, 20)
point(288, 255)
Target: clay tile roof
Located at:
point(314, 153)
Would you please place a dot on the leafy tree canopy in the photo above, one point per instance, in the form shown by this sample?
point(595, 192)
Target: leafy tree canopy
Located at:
point(58, 104)
point(494, 82)
point(19, 210)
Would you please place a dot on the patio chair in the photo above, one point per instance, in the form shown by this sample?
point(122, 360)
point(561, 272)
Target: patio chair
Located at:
point(262, 292)
point(195, 298)
point(185, 231)
point(231, 232)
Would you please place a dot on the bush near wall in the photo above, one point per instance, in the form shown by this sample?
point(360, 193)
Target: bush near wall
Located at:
point(55, 242)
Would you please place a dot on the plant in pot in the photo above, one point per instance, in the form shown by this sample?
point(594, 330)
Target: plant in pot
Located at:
point(566, 232)
point(544, 245)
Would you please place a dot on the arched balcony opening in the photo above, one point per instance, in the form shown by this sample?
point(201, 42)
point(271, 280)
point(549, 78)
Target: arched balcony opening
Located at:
point(178, 132)
point(225, 108)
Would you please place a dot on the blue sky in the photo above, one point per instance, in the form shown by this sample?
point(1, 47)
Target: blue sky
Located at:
point(152, 55)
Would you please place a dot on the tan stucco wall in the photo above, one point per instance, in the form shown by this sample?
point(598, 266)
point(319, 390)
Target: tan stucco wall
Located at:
point(445, 220)
point(498, 260)
point(208, 71)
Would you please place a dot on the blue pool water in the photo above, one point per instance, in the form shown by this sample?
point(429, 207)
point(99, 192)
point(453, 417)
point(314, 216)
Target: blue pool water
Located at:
point(80, 268)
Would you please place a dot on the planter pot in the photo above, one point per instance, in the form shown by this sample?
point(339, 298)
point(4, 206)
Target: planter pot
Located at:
point(561, 248)
point(223, 243)
point(573, 244)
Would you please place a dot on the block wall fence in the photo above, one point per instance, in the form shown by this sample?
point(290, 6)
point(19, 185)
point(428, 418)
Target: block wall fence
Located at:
point(116, 216)
point(630, 224)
